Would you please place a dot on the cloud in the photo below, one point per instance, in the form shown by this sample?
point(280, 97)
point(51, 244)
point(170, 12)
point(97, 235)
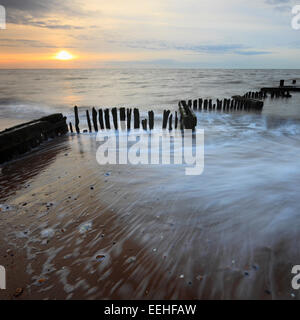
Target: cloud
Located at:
point(239, 49)
point(272, 2)
point(38, 7)
point(38, 13)
point(252, 53)
point(280, 5)
point(25, 43)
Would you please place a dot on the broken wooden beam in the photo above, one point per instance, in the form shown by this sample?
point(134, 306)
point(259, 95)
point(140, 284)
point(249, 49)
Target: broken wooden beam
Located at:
point(22, 138)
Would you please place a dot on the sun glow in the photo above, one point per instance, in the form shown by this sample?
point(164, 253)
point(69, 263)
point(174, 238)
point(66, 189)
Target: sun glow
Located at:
point(64, 55)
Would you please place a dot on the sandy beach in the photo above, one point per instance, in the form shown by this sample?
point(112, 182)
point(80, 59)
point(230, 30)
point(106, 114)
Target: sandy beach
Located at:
point(72, 229)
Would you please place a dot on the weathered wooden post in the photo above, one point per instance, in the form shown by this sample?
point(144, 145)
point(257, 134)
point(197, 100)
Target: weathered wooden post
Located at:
point(114, 112)
point(107, 121)
point(165, 118)
point(205, 104)
point(176, 120)
point(190, 103)
point(281, 83)
point(76, 119)
point(123, 117)
point(151, 119)
point(170, 122)
point(144, 124)
point(88, 120)
point(136, 115)
point(224, 104)
point(265, 95)
point(210, 104)
point(235, 104)
point(129, 111)
point(101, 123)
point(94, 116)
point(200, 102)
point(232, 104)
point(195, 102)
point(71, 128)
point(122, 114)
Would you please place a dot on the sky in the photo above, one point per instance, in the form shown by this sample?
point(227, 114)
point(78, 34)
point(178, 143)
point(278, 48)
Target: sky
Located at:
point(150, 33)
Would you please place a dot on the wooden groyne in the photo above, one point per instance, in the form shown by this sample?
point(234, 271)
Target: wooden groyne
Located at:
point(22, 138)
point(282, 90)
point(122, 118)
point(241, 103)
point(185, 118)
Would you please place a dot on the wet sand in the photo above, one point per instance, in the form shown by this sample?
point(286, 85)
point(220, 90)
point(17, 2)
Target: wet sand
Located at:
point(72, 229)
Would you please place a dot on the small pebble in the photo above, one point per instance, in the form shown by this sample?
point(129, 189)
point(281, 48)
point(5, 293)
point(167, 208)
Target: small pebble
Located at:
point(41, 280)
point(18, 292)
point(100, 257)
point(181, 276)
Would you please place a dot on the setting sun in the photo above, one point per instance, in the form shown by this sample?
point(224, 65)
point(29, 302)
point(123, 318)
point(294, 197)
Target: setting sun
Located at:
point(64, 55)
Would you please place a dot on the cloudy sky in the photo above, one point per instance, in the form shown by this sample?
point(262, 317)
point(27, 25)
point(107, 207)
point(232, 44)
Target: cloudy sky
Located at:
point(163, 33)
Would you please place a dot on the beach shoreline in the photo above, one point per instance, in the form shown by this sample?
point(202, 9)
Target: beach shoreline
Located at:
point(75, 230)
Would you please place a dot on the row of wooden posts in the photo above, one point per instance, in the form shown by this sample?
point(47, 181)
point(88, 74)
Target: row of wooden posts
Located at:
point(186, 118)
point(256, 95)
point(278, 93)
point(236, 103)
point(101, 119)
point(281, 93)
